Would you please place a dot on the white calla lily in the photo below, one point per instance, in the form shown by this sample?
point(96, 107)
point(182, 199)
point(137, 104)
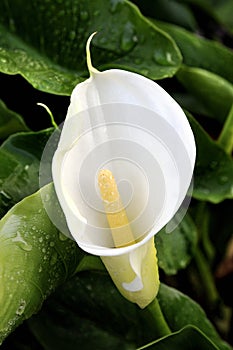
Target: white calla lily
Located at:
point(125, 123)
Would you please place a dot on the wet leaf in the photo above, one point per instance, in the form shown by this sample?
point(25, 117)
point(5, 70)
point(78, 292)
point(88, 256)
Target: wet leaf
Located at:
point(176, 249)
point(50, 54)
point(34, 259)
point(88, 311)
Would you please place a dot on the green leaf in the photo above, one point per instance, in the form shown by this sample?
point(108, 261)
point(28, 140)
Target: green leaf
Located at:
point(188, 338)
point(89, 312)
point(34, 259)
point(176, 249)
point(50, 54)
point(180, 311)
point(20, 157)
point(10, 122)
point(200, 52)
point(213, 173)
point(170, 11)
point(223, 11)
point(214, 92)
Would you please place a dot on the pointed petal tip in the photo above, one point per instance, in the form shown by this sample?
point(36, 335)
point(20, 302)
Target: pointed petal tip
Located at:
point(90, 67)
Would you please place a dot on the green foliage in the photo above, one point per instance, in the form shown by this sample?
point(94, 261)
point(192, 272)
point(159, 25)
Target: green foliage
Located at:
point(50, 54)
point(198, 51)
point(213, 175)
point(88, 310)
point(10, 122)
point(34, 259)
point(65, 297)
point(175, 249)
point(20, 158)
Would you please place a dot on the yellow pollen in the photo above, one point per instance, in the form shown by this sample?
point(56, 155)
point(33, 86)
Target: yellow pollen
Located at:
point(116, 214)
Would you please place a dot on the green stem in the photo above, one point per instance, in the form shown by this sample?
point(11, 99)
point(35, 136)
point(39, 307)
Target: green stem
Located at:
point(206, 278)
point(155, 316)
point(202, 223)
point(226, 137)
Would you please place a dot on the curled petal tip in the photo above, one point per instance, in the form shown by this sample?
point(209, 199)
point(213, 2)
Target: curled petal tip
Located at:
point(90, 67)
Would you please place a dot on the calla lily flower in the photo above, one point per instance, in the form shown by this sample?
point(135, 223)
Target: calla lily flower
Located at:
point(122, 169)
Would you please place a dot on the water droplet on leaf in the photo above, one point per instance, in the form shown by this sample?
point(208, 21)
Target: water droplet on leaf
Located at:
point(213, 164)
point(114, 5)
point(223, 179)
point(21, 308)
point(62, 237)
point(72, 35)
point(84, 15)
point(162, 57)
point(21, 242)
point(128, 38)
point(53, 259)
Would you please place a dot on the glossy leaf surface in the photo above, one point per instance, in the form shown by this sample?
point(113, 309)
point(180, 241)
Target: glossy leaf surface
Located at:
point(34, 259)
point(50, 54)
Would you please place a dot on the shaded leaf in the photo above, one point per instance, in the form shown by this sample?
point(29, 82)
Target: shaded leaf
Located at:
point(20, 158)
point(201, 52)
point(214, 92)
point(170, 11)
point(10, 122)
point(180, 311)
point(188, 338)
point(50, 54)
point(88, 311)
point(175, 249)
point(213, 173)
point(34, 259)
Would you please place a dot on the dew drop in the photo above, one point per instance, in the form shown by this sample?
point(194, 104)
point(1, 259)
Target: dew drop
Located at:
point(144, 71)
point(62, 237)
point(72, 35)
point(114, 5)
point(21, 242)
point(21, 308)
point(137, 61)
point(205, 191)
point(223, 179)
point(84, 15)
point(160, 57)
point(3, 60)
point(213, 164)
point(128, 38)
point(53, 259)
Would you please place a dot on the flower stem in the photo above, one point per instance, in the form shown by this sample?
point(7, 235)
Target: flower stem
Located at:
point(226, 137)
point(155, 316)
point(206, 278)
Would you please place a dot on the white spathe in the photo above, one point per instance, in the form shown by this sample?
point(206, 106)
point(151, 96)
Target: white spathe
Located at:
point(128, 124)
